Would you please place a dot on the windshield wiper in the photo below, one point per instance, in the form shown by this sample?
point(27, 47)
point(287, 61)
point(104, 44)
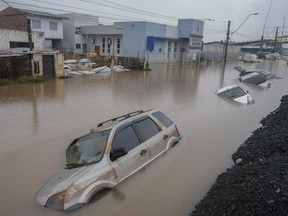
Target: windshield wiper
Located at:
point(72, 165)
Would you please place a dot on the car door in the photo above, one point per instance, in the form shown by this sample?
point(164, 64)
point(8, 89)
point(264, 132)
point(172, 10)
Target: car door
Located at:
point(152, 135)
point(128, 154)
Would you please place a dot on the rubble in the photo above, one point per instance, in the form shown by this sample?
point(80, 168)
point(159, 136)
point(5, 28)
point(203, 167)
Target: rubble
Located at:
point(258, 182)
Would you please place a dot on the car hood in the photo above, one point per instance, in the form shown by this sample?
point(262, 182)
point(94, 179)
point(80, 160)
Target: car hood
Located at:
point(58, 183)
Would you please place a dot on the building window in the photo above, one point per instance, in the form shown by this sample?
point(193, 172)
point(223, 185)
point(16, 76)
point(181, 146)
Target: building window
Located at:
point(169, 46)
point(196, 41)
point(175, 49)
point(103, 45)
point(160, 50)
point(36, 24)
point(118, 45)
point(78, 46)
point(77, 30)
point(183, 50)
point(53, 26)
point(109, 45)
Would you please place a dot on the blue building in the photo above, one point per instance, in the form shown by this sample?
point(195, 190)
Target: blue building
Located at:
point(146, 40)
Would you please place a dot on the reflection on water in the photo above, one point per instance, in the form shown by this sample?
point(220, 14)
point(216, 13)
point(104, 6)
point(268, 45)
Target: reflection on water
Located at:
point(38, 121)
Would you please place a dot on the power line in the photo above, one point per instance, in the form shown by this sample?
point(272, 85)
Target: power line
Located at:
point(144, 11)
point(132, 10)
point(82, 9)
point(65, 11)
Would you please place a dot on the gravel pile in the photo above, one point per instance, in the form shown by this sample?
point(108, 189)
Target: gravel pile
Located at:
point(258, 182)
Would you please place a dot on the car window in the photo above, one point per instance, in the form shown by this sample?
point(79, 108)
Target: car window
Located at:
point(147, 127)
point(87, 149)
point(257, 79)
point(163, 118)
point(233, 93)
point(125, 139)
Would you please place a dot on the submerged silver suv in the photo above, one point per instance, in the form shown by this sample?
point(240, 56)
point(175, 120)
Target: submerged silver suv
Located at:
point(110, 153)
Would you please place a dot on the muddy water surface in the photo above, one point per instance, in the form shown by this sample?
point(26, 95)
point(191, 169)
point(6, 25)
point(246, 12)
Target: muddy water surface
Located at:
point(38, 121)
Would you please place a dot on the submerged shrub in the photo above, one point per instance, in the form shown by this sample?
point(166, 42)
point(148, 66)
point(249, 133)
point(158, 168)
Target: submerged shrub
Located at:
point(29, 79)
point(22, 79)
point(4, 82)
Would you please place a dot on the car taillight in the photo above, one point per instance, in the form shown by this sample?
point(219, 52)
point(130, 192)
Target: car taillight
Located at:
point(177, 130)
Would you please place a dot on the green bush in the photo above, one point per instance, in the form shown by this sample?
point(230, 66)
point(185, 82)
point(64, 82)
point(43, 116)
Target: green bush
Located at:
point(29, 79)
point(22, 80)
point(4, 82)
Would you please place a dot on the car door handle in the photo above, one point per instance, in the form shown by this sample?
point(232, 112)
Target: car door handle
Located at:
point(143, 151)
point(165, 136)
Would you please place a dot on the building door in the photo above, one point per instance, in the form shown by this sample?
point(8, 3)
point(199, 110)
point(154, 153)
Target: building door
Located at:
point(84, 48)
point(97, 50)
point(48, 67)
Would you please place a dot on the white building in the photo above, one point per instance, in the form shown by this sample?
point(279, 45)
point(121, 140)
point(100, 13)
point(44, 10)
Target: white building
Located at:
point(51, 26)
point(146, 40)
point(74, 37)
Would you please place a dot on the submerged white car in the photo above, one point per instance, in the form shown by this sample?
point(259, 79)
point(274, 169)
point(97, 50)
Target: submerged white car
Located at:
point(250, 58)
point(235, 93)
point(110, 153)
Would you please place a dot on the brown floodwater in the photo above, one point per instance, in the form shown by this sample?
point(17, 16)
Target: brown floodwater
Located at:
point(38, 121)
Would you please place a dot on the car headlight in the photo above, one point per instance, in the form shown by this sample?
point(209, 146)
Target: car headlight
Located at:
point(57, 201)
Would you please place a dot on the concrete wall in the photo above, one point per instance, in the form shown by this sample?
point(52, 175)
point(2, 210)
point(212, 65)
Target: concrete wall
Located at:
point(219, 48)
point(172, 32)
point(190, 26)
point(135, 37)
point(7, 36)
point(70, 38)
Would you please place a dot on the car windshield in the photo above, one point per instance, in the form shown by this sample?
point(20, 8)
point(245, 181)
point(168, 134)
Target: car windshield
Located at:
point(257, 78)
point(233, 93)
point(87, 149)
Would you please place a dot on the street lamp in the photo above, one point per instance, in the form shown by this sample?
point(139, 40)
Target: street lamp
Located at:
point(253, 14)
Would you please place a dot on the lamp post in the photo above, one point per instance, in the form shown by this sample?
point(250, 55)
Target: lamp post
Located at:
point(253, 14)
point(228, 34)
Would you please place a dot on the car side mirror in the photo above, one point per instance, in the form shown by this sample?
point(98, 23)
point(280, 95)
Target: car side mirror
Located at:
point(117, 153)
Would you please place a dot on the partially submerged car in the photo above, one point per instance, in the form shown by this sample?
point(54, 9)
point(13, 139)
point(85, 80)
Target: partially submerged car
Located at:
point(257, 77)
point(111, 152)
point(250, 58)
point(243, 72)
point(235, 93)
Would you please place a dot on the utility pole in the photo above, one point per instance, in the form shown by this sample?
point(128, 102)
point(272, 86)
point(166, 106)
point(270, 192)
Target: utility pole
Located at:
point(226, 45)
point(282, 35)
point(29, 34)
point(275, 41)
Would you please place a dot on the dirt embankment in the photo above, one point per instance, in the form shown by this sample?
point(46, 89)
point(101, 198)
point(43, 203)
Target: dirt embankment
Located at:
point(258, 182)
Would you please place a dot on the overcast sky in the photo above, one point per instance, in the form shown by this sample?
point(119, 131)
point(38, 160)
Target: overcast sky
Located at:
point(168, 11)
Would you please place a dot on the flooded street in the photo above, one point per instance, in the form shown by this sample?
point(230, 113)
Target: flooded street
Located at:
point(38, 122)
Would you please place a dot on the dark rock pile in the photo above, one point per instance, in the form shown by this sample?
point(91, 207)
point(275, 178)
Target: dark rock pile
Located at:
point(258, 182)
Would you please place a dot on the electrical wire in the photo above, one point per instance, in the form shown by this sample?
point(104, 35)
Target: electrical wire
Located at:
point(130, 9)
point(126, 18)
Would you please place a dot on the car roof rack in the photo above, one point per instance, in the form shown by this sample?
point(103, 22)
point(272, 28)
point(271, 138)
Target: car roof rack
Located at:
point(128, 115)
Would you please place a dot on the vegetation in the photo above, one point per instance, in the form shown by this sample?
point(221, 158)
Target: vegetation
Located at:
point(22, 79)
